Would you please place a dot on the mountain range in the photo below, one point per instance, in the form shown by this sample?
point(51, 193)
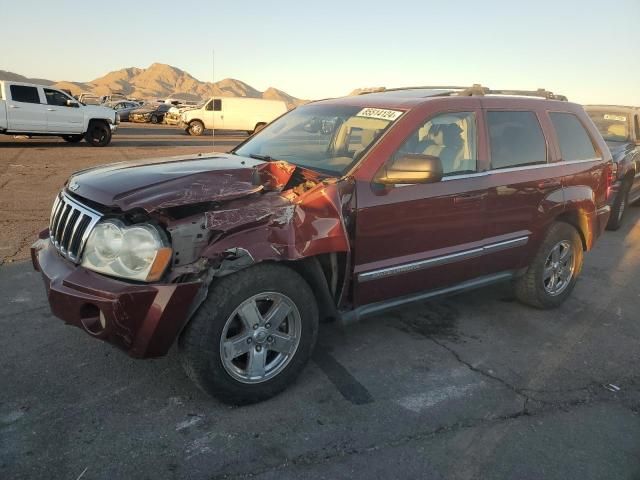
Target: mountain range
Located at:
point(160, 81)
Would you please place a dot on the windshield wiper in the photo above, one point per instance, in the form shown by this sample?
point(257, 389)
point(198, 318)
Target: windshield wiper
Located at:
point(264, 158)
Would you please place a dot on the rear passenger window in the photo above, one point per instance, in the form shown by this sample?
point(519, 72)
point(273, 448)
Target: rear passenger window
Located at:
point(516, 139)
point(574, 140)
point(21, 93)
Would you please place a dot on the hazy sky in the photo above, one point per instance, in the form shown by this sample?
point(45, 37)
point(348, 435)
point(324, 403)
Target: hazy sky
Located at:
point(586, 49)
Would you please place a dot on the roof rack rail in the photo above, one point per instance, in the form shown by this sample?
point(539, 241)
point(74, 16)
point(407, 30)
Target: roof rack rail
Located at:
point(478, 90)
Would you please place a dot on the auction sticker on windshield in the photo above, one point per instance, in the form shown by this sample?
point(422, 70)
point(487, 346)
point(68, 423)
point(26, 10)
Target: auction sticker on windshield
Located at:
point(379, 113)
point(616, 118)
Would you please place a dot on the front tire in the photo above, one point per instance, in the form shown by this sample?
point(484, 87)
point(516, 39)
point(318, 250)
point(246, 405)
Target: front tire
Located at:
point(98, 134)
point(552, 274)
point(196, 128)
point(72, 138)
point(252, 336)
point(154, 119)
point(619, 207)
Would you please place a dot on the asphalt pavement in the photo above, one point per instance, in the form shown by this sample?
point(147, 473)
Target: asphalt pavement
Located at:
point(474, 386)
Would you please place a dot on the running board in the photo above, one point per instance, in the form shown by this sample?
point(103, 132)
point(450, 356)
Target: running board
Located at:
point(376, 308)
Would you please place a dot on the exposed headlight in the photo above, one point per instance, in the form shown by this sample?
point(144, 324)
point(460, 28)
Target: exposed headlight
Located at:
point(136, 252)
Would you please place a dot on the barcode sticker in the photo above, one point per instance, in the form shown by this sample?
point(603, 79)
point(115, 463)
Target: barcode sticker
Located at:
point(616, 118)
point(379, 113)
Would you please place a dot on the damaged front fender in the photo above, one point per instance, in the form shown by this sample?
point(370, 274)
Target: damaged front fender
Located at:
point(283, 227)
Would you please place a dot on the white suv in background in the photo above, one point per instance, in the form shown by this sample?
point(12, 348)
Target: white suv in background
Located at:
point(37, 110)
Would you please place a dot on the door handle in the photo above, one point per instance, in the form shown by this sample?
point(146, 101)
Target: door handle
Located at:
point(468, 198)
point(550, 183)
point(13, 106)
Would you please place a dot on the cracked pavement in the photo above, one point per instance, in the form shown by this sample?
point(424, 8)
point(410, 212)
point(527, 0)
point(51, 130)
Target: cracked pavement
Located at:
point(474, 386)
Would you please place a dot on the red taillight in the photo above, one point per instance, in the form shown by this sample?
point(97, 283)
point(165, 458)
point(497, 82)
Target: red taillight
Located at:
point(612, 173)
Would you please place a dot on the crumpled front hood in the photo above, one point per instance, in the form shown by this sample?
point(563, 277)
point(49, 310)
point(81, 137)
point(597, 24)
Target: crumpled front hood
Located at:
point(168, 182)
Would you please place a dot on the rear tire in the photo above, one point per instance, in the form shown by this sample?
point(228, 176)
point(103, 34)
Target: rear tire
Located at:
point(552, 274)
point(238, 356)
point(196, 128)
point(98, 134)
point(154, 119)
point(73, 138)
point(619, 207)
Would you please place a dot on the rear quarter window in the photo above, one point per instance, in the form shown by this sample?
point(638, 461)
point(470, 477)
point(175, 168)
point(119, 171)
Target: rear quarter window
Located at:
point(575, 143)
point(516, 139)
point(24, 94)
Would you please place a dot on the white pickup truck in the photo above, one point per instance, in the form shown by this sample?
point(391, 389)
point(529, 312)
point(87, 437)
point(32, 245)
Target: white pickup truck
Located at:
point(37, 110)
point(232, 113)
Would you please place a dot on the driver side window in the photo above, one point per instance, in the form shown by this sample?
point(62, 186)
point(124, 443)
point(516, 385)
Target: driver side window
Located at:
point(449, 136)
point(215, 105)
point(55, 98)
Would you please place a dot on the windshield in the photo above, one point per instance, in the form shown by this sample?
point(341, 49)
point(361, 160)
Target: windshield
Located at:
point(614, 127)
point(327, 138)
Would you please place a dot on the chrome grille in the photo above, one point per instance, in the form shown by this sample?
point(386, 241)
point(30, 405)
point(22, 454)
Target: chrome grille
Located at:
point(70, 226)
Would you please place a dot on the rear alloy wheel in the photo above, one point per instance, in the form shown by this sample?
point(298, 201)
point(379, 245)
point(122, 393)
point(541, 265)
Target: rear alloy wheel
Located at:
point(196, 128)
point(552, 274)
point(619, 207)
point(72, 138)
point(252, 336)
point(98, 134)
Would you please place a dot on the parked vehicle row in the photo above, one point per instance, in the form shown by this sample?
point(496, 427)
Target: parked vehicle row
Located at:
point(150, 113)
point(124, 108)
point(173, 116)
point(341, 208)
point(36, 110)
point(620, 128)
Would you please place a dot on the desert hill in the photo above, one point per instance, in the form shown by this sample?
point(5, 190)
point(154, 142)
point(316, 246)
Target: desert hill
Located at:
point(160, 81)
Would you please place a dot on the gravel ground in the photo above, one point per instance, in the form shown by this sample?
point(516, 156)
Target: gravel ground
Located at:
point(32, 171)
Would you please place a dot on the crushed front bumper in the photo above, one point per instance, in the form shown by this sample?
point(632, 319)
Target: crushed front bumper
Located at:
point(142, 319)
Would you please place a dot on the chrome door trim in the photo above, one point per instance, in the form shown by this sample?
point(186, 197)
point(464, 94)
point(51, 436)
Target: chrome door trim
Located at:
point(441, 260)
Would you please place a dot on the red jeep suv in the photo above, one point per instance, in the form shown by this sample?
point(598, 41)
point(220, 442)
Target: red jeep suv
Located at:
point(341, 208)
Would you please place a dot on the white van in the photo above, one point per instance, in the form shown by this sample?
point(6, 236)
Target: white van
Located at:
point(232, 113)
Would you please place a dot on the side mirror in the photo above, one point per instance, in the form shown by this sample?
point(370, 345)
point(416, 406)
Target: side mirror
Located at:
point(412, 168)
point(312, 126)
point(71, 103)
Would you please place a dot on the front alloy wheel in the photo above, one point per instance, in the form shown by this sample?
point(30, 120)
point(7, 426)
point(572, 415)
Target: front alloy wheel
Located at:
point(260, 337)
point(196, 128)
point(253, 334)
point(98, 134)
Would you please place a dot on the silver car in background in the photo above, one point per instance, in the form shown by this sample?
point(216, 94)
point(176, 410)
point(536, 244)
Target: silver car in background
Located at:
point(123, 107)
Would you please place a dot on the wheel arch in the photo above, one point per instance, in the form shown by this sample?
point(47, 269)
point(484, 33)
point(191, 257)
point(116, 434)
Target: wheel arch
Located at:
point(96, 119)
point(578, 221)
